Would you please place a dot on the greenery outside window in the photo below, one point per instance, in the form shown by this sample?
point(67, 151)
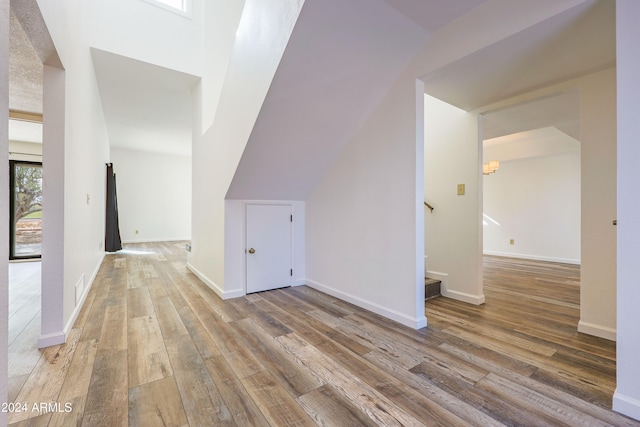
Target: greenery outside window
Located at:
point(25, 203)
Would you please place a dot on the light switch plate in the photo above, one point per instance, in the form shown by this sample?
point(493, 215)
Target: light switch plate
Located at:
point(460, 189)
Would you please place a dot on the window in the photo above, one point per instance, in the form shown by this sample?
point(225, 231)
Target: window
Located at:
point(26, 209)
point(181, 7)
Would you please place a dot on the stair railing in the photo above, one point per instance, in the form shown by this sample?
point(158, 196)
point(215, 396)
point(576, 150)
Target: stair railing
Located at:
point(429, 206)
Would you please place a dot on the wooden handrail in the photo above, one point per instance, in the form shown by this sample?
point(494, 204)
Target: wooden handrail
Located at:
point(429, 206)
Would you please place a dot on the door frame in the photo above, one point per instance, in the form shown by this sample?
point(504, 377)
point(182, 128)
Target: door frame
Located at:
point(245, 205)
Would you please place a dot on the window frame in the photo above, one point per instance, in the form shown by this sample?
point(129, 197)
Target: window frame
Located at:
point(186, 11)
point(12, 205)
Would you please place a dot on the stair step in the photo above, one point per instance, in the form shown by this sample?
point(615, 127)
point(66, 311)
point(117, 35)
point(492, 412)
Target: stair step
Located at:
point(431, 288)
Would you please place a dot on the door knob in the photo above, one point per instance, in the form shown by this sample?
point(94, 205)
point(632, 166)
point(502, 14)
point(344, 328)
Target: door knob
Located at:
point(252, 251)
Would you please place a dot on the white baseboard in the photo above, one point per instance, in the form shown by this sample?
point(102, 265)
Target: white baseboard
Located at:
point(437, 275)
point(464, 297)
point(626, 405)
point(415, 323)
point(300, 282)
point(597, 330)
point(215, 288)
point(60, 337)
point(168, 239)
point(52, 339)
point(533, 257)
point(460, 296)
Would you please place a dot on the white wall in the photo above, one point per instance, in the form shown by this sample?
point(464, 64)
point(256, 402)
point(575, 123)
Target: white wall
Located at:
point(452, 231)
point(261, 39)
point(364, 217)
point(154, 195)
point(627, 396)
point(74, 159)
point(598, 235)
point(138, 29)
point(536, 202)
point(4, 195)
point(222, 18)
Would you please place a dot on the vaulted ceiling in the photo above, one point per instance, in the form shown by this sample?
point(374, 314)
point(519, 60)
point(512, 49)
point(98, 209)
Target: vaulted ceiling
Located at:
point(146, 107)
point(145, 102)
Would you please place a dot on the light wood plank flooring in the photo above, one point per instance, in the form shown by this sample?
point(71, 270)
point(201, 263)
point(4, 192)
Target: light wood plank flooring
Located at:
point(24, 321)
point(154, 346)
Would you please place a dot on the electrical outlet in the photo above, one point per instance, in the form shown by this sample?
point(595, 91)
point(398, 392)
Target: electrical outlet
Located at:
point(460, 189)
point(137, 231)
point(512, 241)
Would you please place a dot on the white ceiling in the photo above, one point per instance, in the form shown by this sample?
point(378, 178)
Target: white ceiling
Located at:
point(315, 102)
point(146, 107)
point(432, 15)
point(576, 42)
point(561, 111)
point(533, 143)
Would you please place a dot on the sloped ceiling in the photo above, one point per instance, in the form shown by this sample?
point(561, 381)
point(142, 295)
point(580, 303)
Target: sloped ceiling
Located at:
point(561, 111)
point(432, 15)
point(341, 60)
point(343, 57)
point(533, 143)
point(576, 42)
point(146, 107)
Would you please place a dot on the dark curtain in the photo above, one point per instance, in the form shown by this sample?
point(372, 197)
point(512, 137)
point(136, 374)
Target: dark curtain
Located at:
point(112, 242)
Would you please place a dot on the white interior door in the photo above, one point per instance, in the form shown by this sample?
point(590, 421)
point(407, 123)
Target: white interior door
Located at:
point(268, 249)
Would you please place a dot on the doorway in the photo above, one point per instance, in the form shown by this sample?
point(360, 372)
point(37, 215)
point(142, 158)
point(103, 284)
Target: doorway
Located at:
point(268, 247)
point(532, 201)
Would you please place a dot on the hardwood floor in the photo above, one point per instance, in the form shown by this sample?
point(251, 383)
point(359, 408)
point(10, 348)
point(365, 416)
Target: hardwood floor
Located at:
point(154, 346)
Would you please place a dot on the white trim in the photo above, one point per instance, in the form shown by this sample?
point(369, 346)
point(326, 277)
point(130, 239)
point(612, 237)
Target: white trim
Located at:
point(60, 337)
point(533, 257)
point(597, 330)
point(299, 282)
point(415, 323)
point(626, 405)
point(215, 288)
point(460, 296)
point(49, 340)
point(437, 275)
point(172, 239)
